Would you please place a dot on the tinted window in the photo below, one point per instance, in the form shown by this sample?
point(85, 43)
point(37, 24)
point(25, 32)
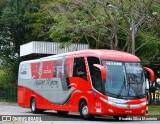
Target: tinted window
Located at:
point(79, 69)
point(95, 73)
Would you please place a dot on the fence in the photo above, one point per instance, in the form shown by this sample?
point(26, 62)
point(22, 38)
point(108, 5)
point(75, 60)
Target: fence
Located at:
point(8, 94)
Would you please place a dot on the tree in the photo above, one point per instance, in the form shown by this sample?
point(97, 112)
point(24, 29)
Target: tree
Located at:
point(79, 21)
point(38, 21)
point(134, 12)
point(11, 35)
point(20, 22)
point(100, 23)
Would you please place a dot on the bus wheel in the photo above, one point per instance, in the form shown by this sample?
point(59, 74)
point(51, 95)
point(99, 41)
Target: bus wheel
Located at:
point(33, 106)
point(62, 113)
point(84, 111)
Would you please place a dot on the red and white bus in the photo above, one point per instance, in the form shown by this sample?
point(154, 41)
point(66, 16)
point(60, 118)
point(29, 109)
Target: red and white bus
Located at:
point(92, 82)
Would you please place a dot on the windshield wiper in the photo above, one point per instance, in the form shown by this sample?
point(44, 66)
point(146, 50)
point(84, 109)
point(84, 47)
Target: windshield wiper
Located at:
point(114, 95)
point(121, 89)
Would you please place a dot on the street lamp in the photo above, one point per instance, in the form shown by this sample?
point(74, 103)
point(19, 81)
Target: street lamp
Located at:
point(133, 27)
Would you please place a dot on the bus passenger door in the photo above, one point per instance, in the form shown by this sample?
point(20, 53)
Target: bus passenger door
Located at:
point(96, 81)
point(80, 79)
point(98, 85)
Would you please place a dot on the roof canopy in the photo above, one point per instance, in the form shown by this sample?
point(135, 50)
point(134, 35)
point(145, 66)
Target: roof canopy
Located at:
point(42, 47)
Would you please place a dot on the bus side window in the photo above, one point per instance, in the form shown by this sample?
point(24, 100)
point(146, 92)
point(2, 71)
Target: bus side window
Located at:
point(98, 80)
point(79, 68)
point(68, 67)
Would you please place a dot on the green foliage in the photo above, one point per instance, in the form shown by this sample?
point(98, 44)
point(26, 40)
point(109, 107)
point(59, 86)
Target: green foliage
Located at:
point(77, 23)
point(148, 44)
point(7, 81)
point(2, 80)
point(99, 25)
point(21, 21)
point(38, 22)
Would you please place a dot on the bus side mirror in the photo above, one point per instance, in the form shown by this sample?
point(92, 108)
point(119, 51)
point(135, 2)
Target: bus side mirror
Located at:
point(103, 71)
point(151, 72)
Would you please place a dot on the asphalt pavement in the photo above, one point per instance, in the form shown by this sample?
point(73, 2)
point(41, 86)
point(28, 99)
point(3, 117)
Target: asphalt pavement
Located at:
point(12, 113)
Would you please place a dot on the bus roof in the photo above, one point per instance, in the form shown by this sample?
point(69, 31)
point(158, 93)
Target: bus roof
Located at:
point(100, 53)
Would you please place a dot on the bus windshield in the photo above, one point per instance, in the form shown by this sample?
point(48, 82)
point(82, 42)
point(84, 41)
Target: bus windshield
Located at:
point(124, 79)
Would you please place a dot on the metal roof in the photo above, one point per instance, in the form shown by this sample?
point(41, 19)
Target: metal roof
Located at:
point(42, 47)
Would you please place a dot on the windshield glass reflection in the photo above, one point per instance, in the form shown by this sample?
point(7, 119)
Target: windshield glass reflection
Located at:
point(124, 79)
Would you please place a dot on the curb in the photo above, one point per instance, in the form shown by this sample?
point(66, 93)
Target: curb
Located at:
point(8, 103)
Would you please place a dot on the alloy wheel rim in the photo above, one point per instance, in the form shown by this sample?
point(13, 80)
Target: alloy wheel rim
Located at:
point(33, 106)
point(85, 110)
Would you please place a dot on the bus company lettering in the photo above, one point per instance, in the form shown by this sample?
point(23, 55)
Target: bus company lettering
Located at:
point(46, 82)
point(39, 83)
point(52, 83)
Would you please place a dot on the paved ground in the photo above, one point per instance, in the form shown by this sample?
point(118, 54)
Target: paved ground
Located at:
point(15, 112)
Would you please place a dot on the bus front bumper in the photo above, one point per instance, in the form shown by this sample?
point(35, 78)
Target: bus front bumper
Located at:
point(112, 108)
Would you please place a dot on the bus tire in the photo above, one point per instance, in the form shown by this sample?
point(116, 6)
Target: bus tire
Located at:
point(62, 113)
point(40, 110)
point(33, 106)
point(84, 111)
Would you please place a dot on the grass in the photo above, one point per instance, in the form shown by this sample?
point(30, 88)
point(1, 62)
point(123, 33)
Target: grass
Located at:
point(153, 110)
point(8, 101)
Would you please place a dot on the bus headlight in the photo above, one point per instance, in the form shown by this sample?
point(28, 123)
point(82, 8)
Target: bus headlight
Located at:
point(104, 100)
point(143, 103)
point(107, 101)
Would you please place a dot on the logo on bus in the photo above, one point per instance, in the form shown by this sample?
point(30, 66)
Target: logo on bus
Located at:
point(128, 106)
